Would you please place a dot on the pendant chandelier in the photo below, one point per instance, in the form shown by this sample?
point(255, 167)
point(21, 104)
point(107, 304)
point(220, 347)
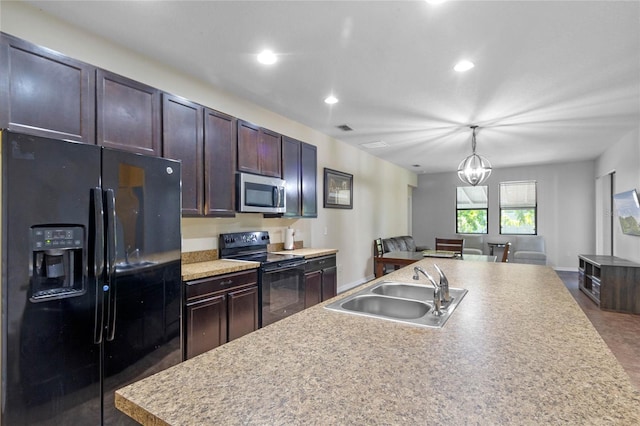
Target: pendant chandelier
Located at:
point(474, 169)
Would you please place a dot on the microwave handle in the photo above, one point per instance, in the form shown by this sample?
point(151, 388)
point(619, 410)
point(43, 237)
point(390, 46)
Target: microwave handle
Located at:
point(276, 196)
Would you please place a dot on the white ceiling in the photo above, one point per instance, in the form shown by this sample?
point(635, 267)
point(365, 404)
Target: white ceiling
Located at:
point(554, 80)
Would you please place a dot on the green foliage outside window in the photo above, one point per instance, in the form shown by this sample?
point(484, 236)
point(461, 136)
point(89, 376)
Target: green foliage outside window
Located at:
point(518, 221)
point(472, 221)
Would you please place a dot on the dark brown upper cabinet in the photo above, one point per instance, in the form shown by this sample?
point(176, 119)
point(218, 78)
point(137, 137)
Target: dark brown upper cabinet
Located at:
point(44, 93)
point(292, 174)
point(182, 139)
point(219, 163)
point(309, 166)
point(204, 140)
point(299, 170)
point(259, 150)
point(128, 114)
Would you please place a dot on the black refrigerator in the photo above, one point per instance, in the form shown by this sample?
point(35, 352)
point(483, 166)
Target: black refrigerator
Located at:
point(91, 278)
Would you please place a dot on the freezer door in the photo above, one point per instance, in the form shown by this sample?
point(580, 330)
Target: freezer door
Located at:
point(50, 363)
point(142, 210)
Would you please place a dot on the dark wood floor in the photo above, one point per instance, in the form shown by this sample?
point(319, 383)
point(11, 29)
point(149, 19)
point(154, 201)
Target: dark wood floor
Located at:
point(620, 331)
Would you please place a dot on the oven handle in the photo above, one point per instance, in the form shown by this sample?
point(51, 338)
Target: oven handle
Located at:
point(278, 268)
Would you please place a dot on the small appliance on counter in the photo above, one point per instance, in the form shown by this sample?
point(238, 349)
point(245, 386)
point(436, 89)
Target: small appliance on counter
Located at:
point(280, 276)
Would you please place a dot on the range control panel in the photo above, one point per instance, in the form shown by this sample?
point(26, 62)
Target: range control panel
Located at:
point(243, 239)
point(61, 237)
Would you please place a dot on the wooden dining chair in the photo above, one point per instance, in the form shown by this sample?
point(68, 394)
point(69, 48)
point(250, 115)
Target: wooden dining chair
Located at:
point(450, 244)
point(505, 253)
point(378, 250)
point(377, 247)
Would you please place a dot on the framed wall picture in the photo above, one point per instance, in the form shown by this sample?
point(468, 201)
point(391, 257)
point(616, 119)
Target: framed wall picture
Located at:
point(338, 189)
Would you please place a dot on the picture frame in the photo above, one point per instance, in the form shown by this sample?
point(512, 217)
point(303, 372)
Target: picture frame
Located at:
point(338, 189)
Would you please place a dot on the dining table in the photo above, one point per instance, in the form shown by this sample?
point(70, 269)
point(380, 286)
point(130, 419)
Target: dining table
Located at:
point(400, 259)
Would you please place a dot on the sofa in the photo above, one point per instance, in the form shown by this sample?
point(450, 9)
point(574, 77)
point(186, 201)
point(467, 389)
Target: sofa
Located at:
point(529, 249)
point(401, 243)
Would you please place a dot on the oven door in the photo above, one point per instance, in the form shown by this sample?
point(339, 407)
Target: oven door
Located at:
point(282, 291)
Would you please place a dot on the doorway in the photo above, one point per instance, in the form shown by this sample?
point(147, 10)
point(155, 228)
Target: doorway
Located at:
point(604, 213)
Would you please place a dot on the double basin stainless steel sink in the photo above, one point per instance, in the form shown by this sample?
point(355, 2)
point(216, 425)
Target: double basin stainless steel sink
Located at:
point(408, 303)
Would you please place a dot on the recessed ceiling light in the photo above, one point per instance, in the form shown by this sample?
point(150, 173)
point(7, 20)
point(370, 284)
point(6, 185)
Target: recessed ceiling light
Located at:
point(267, 57)
point(463, 66)
point(331, 100)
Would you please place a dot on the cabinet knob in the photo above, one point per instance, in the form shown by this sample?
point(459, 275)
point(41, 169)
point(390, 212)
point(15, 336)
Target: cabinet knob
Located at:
point(226, 282)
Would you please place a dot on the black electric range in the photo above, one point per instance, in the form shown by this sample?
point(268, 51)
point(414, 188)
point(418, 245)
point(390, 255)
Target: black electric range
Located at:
point(281, 276)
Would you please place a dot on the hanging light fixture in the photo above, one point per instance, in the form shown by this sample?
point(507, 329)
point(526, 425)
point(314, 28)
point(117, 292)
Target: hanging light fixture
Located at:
point(474, 169)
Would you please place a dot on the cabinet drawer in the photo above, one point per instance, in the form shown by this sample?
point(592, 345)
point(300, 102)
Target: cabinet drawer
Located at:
point(320, 263)
point(206, 286)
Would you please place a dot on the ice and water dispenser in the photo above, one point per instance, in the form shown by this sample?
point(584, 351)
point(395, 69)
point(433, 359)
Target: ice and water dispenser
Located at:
point(57, 262)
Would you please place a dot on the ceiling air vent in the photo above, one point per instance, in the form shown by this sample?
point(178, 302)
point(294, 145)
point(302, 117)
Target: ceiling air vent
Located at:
point(373, 145)
point(344, 128)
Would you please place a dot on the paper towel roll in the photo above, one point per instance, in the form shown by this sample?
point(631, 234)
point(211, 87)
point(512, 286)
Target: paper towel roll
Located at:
point(288, 238)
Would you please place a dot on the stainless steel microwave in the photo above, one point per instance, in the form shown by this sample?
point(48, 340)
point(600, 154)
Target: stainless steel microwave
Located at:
point(261, 194)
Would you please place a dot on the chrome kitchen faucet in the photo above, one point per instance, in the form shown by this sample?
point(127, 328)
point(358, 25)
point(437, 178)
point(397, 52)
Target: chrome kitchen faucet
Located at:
point(437, 292)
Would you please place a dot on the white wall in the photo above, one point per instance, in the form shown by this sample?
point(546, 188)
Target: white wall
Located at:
point(624, 158)
point(380, 188)
point(566, 216)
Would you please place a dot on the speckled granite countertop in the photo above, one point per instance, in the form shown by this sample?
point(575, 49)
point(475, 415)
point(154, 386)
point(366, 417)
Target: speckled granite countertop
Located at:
point(194, 271)
point(210, 268)
point(517, 350)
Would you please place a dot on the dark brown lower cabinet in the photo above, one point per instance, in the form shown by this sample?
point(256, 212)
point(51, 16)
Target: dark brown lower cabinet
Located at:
point(218, 310)
point(320, 279)
point(312, 288)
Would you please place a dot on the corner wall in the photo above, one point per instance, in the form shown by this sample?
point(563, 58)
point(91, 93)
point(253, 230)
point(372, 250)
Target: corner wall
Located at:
point(380, 188)
point(566, 217)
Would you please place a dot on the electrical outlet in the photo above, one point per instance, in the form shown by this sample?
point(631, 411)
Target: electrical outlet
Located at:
point(325, 230)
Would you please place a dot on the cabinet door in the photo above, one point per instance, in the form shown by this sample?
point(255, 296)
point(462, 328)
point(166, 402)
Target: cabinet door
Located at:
point(206, 325)
point(259, 150)
point(308, 166)
point(44, 93)
point(270, 153)
point(243, 312)
point(182, 134)
point(312, 288)
point(329, 283)
point(248, 141)
point(291, 174)
point(128, 114)
point(219, 163)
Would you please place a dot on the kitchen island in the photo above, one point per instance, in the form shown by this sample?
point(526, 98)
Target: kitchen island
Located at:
point(517, 350)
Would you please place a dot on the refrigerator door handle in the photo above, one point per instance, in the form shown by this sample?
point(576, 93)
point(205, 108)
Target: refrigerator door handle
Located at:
point(98, 262)
point(110, 203)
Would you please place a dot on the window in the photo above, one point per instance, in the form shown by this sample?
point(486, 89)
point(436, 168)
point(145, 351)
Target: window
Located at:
point(518, 208)
point(471, 210)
